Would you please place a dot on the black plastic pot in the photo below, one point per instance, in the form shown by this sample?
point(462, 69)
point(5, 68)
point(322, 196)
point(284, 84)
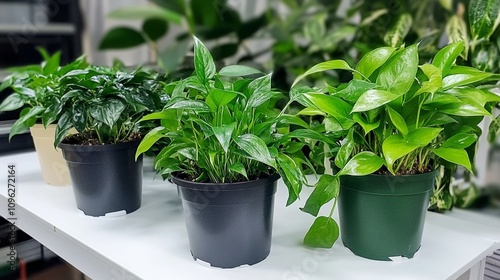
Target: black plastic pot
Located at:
point(229, 225)
point(106, 179)
point(383, 216)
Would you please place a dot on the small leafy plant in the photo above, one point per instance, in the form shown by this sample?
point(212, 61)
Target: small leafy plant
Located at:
point(399, 118)
point(222, 129)
point(104, 104)
point(37, 89)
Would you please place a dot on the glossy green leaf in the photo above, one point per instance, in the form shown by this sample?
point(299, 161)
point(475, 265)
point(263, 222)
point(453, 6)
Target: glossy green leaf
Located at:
point(195, 105)
point(155, 28)
point(323, 233)
point(373, 99)
point(439, 119)
point(149, 140)
point(396, 34)
point(25, 120)
point(63, 126)
point(468, 76)
point(256, 149)
point(307, 134)
point(239, 168)
point(79, 115)
point(326, 189)
point(219, 97)
point(457, 156)
point(203, 62)
point(121, 38)
point(467, 108)
point(289, 119)
point(345, 150)
point(323, 66)
point(331, 105)
point(481, 96)
point(309, 111)
point(372, 61)
point(109, 112)
point(298, 94)
point(238, 71)
point(435, 81)
point(361, 164)
point(460, 141)
point(11, 103)
point(439, 99)
point(223, 134)
point(422, 136)
point(446, 57)
point(354, 90)
point(291, 175)
point(398, 121)
point(365, 124)
point(258, 98)
point(51, 113)
point(398, 73)
point(483, 17)
point(395, 147)
point(145, 12)
point(260, 84)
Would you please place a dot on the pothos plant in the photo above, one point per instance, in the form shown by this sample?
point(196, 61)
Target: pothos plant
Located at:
point(398, 118)
point(37, 89)
point(104, 104)
point(221, 128)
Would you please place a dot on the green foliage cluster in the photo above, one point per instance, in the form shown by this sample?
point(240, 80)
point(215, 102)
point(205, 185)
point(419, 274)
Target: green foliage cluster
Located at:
point(37, 89)
point(399, 118)
point(99, 102)
point(222, 128)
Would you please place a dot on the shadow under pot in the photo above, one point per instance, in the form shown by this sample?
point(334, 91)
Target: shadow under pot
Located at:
point(382, 217)
point(106, 179)
point(228, 224)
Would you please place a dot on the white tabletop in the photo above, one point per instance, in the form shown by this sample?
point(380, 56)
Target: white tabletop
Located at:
point(151, 243)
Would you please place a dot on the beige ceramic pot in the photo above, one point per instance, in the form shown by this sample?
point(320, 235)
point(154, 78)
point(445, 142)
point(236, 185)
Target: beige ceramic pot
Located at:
point(54, 169)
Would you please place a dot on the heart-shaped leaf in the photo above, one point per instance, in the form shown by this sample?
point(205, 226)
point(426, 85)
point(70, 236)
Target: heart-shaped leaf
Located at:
point(325, 190)
point(323, 233)
point(256, 148)
point(457, 156)
point(361, 164)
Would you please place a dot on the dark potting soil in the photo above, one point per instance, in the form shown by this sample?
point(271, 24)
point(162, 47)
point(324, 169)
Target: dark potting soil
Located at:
point(92, 140)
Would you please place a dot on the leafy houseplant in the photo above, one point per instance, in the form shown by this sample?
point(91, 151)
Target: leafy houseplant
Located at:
point(226, 150)
point(401, 121)
point(103, 105)
point(36, 89)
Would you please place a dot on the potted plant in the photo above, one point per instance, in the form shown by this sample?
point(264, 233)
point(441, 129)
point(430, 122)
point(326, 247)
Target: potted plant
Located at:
point(401, 121)
point(227, 148)
point(36, 89)
point(104, 104)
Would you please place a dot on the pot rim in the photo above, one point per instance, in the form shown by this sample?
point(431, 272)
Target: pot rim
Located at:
point(224, 186)
point(97, 148)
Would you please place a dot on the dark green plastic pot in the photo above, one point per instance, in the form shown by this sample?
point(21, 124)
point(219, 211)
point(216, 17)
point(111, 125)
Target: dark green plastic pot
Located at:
point(228, 225)
point(383, 216)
